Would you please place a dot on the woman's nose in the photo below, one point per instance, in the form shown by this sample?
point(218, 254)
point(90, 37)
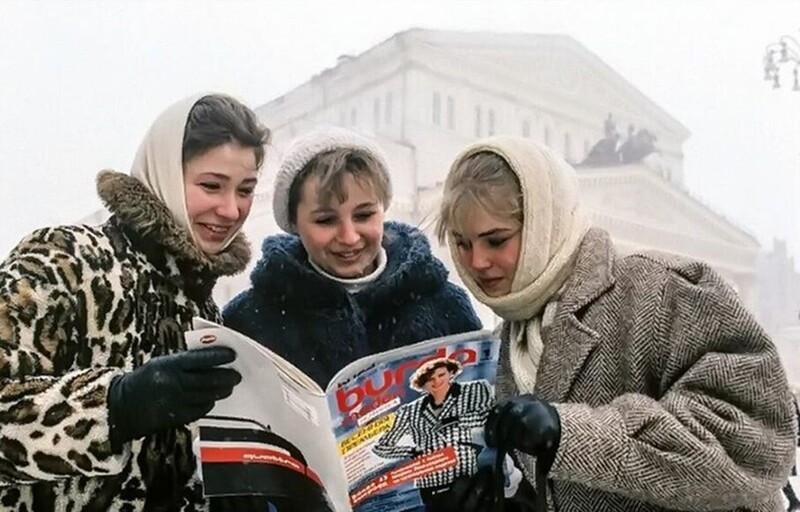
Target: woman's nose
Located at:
point(228, 207)
point(479, 259)
point(348, 234)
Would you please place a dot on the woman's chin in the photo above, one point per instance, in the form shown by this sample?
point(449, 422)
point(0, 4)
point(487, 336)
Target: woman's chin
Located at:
point(210, 247)
point(352, 270)
point(346, 272)
point(494, 292)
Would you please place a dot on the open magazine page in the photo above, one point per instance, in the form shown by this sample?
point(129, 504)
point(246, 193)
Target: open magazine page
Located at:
point(272, 436)
point(409, 421)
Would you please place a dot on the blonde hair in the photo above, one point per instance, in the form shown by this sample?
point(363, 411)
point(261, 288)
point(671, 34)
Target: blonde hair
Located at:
point(330, 167)
point(483, 180)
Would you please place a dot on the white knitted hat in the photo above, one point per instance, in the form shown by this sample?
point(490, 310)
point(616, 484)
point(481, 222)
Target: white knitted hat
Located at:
point(306, 147)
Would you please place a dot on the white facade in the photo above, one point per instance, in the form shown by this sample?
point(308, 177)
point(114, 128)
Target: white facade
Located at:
point(424, 95)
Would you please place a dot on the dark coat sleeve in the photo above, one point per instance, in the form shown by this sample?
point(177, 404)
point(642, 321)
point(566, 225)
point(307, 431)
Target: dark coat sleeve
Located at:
point(455, 311)
point(242, 315)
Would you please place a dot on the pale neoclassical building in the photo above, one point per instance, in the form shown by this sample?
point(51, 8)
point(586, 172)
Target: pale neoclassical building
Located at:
point(425, 94)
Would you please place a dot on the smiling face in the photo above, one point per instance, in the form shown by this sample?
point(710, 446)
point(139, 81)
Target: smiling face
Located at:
point(438, 384)
point(219, 186)
point(488, 249)
point(342, 237)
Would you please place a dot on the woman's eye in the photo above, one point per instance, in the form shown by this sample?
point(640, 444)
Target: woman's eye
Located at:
point(461, 244)
point(211, 186)
point(363, 216)
point(325, 221)
point(246, 192)
point(496, 242)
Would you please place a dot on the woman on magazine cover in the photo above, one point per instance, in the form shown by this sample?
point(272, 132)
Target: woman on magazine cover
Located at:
point(97, 386)
point(448, 414)
point(639, 382)
point(342, 283)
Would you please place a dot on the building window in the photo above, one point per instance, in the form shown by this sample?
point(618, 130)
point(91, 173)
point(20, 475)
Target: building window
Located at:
point(451, 113)
point(353, 116)
point(388, 114)
point(376, 113)
point(478, 121)
point(547, 136)
point(437, 108)
point(526, 128)
point(567, 147)
point(491, 122)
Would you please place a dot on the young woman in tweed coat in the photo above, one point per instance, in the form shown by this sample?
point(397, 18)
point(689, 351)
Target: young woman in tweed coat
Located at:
point(641, 383)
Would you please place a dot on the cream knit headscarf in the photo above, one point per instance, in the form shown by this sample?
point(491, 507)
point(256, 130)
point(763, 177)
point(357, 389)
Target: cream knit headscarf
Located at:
point(159, 161)
point(553, 228)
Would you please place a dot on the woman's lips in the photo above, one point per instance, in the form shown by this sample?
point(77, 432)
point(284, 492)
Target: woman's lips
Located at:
point(348, 256)
point(214, 232)
point(489, 282)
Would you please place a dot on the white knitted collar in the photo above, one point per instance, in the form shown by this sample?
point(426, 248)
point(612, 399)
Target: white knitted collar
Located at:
point(355, 284)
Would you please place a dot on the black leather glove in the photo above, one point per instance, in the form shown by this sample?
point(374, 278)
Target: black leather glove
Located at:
point(477, 493)
point(168, 392)
point(527, 424)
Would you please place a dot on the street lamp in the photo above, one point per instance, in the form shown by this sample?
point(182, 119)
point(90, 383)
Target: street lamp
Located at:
point(783, 53)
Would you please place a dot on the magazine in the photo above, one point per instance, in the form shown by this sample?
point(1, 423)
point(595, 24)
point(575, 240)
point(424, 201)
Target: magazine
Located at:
point(391, 431)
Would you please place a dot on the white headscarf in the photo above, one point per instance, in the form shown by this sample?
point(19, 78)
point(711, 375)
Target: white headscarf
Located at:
point(159, 161)
point(552, 231)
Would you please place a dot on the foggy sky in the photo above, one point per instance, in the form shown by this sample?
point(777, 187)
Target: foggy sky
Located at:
point(80, 83)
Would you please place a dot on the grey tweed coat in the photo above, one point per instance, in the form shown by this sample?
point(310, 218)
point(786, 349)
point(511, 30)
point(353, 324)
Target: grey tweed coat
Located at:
point(671, 396)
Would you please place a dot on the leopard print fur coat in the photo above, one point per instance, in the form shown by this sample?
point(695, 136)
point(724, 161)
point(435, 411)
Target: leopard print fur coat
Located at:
point(80, 305)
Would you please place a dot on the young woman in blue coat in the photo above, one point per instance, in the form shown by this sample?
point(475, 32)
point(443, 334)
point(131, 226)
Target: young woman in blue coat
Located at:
point(343, 283)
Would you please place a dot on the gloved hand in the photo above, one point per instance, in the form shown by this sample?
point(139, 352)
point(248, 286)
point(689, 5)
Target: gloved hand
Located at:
point(527, 424)
point(477, 493)
point(168, 392)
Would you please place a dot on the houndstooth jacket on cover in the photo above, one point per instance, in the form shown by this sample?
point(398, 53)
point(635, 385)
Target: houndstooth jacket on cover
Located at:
point(464, 410)
point(671, 397)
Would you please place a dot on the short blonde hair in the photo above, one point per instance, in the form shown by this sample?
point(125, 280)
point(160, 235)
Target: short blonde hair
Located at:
point(483, 180)
point(330, 168)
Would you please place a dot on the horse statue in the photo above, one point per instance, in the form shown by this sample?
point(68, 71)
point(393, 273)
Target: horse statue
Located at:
point(608, 151)
point(604, 153)
point(637, 146)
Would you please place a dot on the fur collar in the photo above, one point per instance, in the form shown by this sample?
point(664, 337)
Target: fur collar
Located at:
point(283, 274)
point(149, 219)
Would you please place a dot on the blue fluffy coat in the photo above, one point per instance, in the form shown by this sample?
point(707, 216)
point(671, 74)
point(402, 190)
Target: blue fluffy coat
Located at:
point(316, 324)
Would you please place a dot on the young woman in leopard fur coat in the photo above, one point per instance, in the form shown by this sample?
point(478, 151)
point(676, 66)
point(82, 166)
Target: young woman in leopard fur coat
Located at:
point(96, 385)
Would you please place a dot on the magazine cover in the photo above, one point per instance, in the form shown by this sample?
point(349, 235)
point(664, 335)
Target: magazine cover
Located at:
point(407, 427)
point(391, 431)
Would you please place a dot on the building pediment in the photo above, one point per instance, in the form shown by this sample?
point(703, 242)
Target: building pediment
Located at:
point(552, 65)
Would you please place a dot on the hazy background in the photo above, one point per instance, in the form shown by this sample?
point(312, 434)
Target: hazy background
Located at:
point(80, 83)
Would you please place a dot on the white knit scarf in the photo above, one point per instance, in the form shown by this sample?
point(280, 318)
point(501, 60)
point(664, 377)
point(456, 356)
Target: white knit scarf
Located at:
point(553, 228)
point(159, 161)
